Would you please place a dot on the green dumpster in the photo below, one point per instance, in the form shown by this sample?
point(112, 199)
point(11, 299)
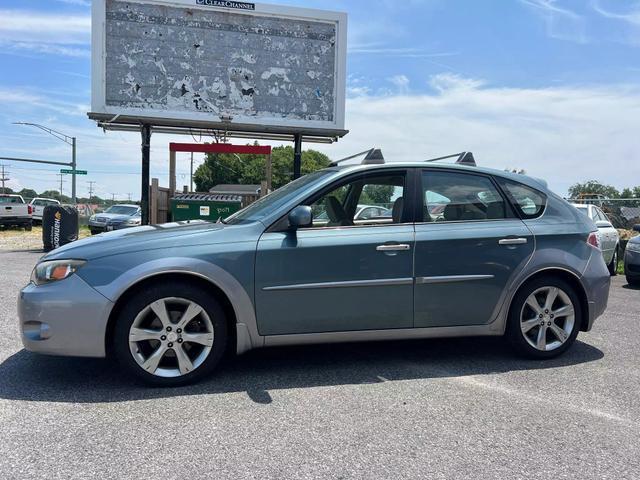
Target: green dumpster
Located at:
point(203, 206)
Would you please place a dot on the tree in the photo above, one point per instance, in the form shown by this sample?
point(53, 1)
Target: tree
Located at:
point(593, 187)
point(250, 169)
point(377, 194)
point(28, 193)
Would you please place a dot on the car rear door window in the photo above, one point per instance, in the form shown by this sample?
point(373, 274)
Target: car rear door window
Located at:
point(456, 197)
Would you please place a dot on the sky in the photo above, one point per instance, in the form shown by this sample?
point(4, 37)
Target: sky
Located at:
point(552, 87)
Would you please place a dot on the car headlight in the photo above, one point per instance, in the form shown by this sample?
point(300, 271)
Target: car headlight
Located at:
point(133, 221)
point(92, 218)
point(55, 270)
point(633, 247)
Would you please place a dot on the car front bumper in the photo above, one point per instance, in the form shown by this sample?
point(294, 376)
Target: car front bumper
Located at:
point(632, 264)
point(97, 227)
point(67, 318)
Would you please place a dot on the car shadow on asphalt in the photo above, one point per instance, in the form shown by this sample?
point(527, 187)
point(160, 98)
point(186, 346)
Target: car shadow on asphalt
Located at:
point(30, 377)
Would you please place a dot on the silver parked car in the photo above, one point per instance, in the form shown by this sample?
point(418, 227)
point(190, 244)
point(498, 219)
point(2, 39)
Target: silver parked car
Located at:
point(116, 217)
point(466, 251)
point(608, 237)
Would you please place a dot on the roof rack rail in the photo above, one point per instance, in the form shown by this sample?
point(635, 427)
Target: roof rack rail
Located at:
point(373, 156)
point(463, 158)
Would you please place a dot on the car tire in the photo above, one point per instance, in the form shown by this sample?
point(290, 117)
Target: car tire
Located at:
point(28, 227)
point(633, 281)
point(559, 323)
point(139, 315)
point(613, 266)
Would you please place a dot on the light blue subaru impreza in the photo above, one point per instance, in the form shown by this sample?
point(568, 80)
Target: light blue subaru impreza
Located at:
point(455, 250)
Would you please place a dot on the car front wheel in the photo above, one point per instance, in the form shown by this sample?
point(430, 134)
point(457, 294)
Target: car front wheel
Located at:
point(170, 335)
point(544, 319)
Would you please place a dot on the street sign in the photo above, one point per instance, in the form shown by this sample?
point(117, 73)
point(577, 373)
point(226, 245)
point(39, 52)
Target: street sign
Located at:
point(71, 172)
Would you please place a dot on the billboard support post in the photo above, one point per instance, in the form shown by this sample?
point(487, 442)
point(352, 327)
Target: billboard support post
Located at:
point(146, 158)
point(297, 156)
point(172, 173)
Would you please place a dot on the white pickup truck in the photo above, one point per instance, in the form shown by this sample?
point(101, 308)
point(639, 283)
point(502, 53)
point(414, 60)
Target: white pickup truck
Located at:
point(37, 207)
point(14, 212)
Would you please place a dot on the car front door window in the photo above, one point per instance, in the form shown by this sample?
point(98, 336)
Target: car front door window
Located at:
point(338, 207)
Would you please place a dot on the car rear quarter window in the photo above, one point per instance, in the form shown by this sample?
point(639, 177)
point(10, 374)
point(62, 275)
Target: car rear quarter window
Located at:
point(528, 202)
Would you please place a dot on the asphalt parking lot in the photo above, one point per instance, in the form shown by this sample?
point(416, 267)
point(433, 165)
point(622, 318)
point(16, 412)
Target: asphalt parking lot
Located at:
point(461, 408)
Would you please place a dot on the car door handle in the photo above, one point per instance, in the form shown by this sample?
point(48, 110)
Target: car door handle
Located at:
point(512, 241)
point(393, 248)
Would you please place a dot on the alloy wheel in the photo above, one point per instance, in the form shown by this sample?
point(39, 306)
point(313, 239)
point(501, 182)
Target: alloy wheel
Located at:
point(547, 318)
point(171, 337)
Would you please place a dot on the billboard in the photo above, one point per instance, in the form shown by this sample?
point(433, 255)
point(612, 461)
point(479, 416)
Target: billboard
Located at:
point(219, 64)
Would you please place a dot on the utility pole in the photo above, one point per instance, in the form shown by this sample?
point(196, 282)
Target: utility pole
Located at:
point(191, 182)
point(4, 177)
point(61, 175)
point(113, 198)
point(129, 195)
point(91, 190)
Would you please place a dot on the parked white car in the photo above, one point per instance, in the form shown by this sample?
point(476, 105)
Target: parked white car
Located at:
point(608, 236)
point(37, 206)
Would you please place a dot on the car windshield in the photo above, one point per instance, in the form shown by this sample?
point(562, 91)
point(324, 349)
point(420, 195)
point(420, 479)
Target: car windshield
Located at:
point(269, 203)
point(121, 210)
point(10, 200)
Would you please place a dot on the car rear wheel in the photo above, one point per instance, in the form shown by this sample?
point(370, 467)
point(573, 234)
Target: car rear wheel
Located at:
point(633, 281)
point(545, 318)
point(613, 266)
point(170, 335)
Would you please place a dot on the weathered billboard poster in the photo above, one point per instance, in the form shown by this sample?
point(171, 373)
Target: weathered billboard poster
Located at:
point(186, 62)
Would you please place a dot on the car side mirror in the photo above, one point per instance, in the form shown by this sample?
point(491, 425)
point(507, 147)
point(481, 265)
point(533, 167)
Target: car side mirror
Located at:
point(636, 228)
point(300, 217)
point(603, 224)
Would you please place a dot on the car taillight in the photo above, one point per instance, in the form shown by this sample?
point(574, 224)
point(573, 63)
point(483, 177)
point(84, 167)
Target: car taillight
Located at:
point(30, 209)
point(593, 240)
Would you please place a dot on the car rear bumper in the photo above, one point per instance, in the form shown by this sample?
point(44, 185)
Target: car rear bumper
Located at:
point(15, 220)
point(596, 281)
point(66, 318)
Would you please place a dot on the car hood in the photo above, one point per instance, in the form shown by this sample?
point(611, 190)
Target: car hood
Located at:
point(149, 237)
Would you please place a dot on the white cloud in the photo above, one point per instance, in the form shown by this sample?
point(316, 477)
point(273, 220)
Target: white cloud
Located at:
point(564, 135)
point(21, 101)
point(449, 81)
point(67, 35)
point(401, 82)
point(561, 22)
